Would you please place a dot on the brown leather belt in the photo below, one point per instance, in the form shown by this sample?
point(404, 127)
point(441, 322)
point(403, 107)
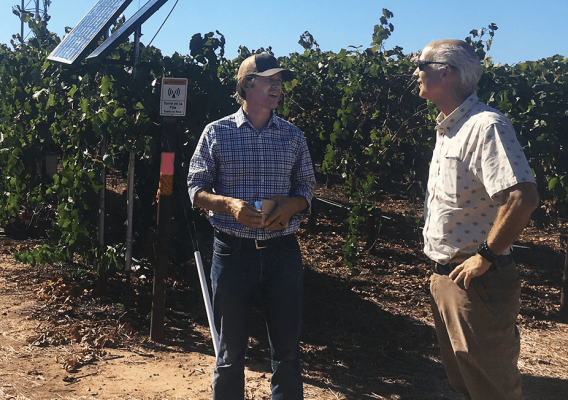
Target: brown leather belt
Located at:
point(237, 241)
point(446, 269)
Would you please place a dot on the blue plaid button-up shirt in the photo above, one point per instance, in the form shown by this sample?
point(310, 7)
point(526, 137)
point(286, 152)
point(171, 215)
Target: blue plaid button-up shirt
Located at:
point(236, 160)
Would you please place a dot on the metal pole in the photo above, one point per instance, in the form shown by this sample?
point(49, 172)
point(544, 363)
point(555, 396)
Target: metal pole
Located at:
point(207, 300)
point(564, 291)
point(102, 198)
point(22, 24)
point(130, 211)
point(45, 6)
point(137, 36)
point(102, 269)
point(131, 169)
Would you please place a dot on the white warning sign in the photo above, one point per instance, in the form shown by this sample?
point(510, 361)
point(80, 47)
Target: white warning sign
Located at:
point(173, 97)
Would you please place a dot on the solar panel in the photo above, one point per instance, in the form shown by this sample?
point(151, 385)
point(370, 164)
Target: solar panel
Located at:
point(127, 28)
point(93, 25)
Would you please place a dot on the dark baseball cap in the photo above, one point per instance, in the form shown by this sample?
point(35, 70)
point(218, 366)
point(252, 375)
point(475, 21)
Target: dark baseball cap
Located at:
point(263, 65)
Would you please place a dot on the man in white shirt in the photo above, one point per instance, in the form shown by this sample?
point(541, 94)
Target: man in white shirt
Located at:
point(480, 197)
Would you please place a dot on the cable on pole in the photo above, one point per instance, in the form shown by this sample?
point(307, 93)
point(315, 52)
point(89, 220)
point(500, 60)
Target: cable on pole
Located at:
point(161, 26)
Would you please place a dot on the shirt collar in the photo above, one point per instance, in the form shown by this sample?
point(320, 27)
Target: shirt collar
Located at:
point(445, 125)
point(241, 119)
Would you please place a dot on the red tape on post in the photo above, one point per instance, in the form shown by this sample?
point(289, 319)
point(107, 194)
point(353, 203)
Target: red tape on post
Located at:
point(166, 186)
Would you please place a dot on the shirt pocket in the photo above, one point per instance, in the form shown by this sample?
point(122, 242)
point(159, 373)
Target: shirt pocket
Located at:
point(455, 177)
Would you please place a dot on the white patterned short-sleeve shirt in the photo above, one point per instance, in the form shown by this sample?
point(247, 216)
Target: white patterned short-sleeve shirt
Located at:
point(477, 156)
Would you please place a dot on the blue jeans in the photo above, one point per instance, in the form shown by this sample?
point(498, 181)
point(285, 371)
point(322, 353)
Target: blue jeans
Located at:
point(238, 273)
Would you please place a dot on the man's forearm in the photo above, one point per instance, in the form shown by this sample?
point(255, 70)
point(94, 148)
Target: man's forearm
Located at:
point(300, 203)
point(211, 201)
point(217, 203)
point(513, 217)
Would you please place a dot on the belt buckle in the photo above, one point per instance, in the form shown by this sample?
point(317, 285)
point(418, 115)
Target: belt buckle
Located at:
point(257, 246)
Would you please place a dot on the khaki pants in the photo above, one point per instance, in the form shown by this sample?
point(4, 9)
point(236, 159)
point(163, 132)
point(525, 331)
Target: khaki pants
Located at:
point(477, 333)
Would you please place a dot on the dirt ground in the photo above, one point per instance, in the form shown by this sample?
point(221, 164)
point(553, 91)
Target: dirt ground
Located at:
point(368, 332)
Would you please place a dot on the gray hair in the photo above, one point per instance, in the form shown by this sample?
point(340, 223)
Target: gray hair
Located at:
point(466, 63)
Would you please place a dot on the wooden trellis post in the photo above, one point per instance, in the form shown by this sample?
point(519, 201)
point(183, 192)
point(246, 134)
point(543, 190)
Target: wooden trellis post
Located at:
point(173, 98)
point(162, 246)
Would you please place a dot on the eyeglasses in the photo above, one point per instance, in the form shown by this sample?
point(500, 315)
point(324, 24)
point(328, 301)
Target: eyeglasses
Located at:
point(272, 81)
point(422, 64)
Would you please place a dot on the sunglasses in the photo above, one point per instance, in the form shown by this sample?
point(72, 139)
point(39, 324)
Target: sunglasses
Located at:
point(422, 64)
point(272, 81)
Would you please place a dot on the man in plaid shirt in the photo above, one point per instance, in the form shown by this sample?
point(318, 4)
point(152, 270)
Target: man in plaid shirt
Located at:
point(241, 160)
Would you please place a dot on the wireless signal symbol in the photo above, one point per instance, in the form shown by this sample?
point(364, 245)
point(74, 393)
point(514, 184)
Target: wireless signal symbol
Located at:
point(174, 93)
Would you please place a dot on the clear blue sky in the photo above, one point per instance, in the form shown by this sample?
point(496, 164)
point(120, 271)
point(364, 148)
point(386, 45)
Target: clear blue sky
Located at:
point(528, 29)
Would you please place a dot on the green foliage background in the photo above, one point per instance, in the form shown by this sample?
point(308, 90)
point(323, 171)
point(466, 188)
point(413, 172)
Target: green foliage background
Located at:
point(364, 126)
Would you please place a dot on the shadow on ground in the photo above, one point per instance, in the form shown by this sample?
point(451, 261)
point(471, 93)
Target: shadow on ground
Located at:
point(544, 388)
point(354, 348)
